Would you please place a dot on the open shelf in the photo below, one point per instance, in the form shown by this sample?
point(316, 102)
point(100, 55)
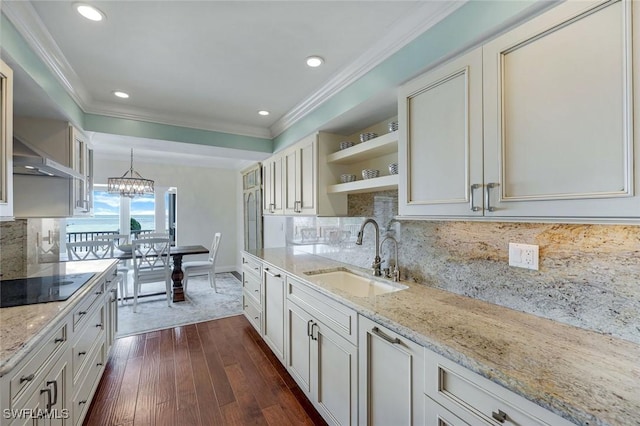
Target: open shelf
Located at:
point(382, 183)
point(382, 145)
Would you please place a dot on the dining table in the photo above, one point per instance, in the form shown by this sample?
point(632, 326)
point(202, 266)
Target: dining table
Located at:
point(176, 253)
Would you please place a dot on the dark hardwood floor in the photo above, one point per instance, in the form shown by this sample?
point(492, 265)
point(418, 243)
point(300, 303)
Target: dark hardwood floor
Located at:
point(213, 373)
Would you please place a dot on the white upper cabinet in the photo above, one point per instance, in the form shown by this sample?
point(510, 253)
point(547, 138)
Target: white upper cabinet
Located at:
point(296, 179)
point(300, 178)
point(6, 141)
point(272, 184)
point(440, 149)
point(558, 109)
point(538, 123)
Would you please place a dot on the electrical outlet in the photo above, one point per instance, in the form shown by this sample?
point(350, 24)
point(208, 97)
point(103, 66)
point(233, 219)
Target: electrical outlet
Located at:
point(523, 256)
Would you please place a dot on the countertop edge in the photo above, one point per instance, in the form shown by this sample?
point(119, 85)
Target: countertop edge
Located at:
point(13, 360)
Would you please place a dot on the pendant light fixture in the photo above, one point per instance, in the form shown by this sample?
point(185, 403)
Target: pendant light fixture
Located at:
point(130, 184)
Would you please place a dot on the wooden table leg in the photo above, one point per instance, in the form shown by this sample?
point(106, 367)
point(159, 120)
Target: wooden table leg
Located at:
point(176, 277)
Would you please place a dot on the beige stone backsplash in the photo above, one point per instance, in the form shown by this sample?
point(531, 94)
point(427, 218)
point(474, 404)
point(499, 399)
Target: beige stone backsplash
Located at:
point(589, 275)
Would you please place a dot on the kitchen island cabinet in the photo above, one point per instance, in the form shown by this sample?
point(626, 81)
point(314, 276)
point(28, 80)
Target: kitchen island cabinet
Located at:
point(53, 354)
point(564, 371)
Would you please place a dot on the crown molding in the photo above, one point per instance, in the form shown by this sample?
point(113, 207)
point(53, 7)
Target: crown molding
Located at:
point(180, 121)
point(424, 17)
point(26, 20)
point(24, 17)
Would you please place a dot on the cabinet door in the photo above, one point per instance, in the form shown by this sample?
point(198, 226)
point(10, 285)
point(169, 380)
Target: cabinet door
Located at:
point(389, 396)
point(308, 183)
point(6, 141)
point(440, 140)
point(558, 103)
point(55, 393)
point(273, 310)
point(83, 164)
point(298, 359)
point(291, 181)
point(267, 182)
point(437, 415)
point(334, 361)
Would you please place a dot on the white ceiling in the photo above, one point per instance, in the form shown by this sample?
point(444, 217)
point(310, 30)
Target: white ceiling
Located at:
point(211, 64)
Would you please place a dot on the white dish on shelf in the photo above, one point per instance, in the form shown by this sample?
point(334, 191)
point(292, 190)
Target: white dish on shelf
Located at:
point(347, 178)
point(346, 144)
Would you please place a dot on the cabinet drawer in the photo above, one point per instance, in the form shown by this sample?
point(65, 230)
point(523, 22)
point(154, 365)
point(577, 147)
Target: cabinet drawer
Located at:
point(29, 373)
point(251, 285)
point(251, 264)
point(84, 307)
point(84, 390)
point(436, 415)
point(85, 341)
point(252, 311)
point(466, 393)
point(338, 317)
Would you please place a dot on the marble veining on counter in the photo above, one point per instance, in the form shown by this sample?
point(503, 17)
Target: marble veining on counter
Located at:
point(21, 327)
point(584, 376)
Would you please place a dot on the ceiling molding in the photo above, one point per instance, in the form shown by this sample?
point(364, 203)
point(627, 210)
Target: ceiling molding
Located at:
point(27, 22)
point(171, 120)
point(424, 17)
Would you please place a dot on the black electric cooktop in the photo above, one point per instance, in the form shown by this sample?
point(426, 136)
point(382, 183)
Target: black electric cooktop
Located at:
point(29, 291)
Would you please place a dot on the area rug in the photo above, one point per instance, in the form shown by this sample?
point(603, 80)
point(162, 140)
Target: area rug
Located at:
point(201, 303)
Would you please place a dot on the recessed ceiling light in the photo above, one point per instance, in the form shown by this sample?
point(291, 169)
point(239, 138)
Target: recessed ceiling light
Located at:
point(314, 61)
point(263, 112)
point(89, 12)
point(122, 95)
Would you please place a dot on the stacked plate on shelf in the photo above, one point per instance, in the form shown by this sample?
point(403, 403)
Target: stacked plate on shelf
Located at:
point(367, 136)
point(347, 178)
point(346, 144)
point(370, 173)
point(393, 126)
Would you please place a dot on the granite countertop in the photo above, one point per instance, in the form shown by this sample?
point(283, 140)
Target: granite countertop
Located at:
point(22, 327)
point(583, 376)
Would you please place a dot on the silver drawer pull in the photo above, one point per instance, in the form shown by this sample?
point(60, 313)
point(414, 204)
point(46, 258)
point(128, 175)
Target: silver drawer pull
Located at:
point(98, 293)
point(82, 402)
point(27, 378)
point(500, 416)
point(81, 313)
point(99, 364)
point(82, 353)
point(59, 340)
point(271, 273)
point(98, 325)
point(379, 333)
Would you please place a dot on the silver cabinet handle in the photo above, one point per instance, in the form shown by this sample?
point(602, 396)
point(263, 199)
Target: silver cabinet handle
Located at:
point(55, 391)
point(271, 273)
point(297, 206)
point(487, 203)
point(500, 416)
point(314, 337)
point(381, 334)
point(309, 327)
point(48, 391)
point(472, 203)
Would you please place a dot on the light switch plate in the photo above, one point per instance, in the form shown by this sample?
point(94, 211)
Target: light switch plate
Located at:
point(523, 256)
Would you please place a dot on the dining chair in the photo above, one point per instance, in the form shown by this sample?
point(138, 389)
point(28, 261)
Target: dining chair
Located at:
point(202, 267)
point(87, 250)
point(116, 241)
point(151, 261)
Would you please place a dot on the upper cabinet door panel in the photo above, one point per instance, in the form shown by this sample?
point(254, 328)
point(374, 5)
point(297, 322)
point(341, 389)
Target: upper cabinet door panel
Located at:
point(440, 143)
point(558, 114)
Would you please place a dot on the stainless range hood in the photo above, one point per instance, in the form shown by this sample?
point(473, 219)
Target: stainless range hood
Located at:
point(28, 160)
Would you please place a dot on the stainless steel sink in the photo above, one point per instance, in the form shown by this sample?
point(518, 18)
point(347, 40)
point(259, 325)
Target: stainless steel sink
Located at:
point(354, 284)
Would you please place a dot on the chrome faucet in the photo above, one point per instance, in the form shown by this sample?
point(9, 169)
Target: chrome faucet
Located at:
point(376, 261)
point(396, 270)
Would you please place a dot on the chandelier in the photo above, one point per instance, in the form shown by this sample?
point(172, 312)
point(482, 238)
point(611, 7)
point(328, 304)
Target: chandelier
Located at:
point(130, 186)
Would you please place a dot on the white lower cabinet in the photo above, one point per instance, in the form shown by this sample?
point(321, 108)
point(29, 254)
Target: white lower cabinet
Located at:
point(468, 398)
point(273, 309)
point(391, 376)
point(324, 365)
point(55, 384)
